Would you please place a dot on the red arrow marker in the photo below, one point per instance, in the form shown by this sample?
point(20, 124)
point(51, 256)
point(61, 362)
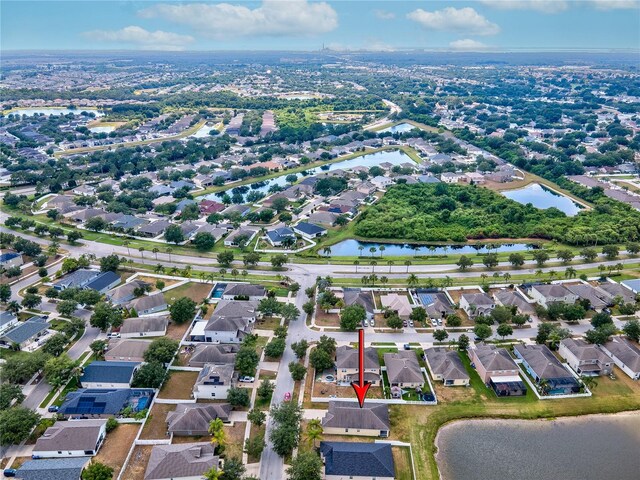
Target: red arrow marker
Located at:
point(361, 387)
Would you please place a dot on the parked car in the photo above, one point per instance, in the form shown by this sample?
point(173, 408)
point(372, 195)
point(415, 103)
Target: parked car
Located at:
point(10, 472)
point(53, 409)
point(113, 335)
point(287, 396)
point(407, 346)
point(434, 323)
point(372, 322)
point(405, 323)
point(411, 323)
point(247, 379)
point(439, 322)
point(365, 322)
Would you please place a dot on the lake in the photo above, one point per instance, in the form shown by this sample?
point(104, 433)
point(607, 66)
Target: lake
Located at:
point(580, 448)
point(394, 157)
point(102, 129)
point(400, 128)
point(542, 197)
point(55, 111)
point(203, 131)
point(350, 248)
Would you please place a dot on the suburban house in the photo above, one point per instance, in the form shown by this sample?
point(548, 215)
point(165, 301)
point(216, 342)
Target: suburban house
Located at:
point(597, 300)
point(279, 236)
point(309, 230)
point(347, 418)
point(144, 327)
point(79, 438)
point(355, 296)
point(192, 419)
point(323, 218)
point(509, 298)
point(546, 369)
point(446, 365)
point(381, 182)
point(357, 460)
point(233, 239)
point(125, 293)
point(181, 461)
point(403, 369)
point(476, 304)
point(231, 321)
point(214, 381)
point(101, 374)
point(625, 354)
point(7, 321)
point(148, 304)
point(436, 304)
point(10, 259)
point(217, 354)
point(548, 294)
point(24, 333)
point(52, 469)
point(617, 290)
point(497, 369)
point(585, 358)
point(103, 282)
point(104, 403)
point(77, 279)
point(126, 350)
point(246, 291)
point(397, 303)
point(347, 365)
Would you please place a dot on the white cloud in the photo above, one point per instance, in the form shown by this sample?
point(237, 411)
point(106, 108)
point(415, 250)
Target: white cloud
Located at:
point(271, 18)
point(468, 45)
point(465, 20)
point(615, 4)
point(146, 40)
point(384, 15)
point(545, 6)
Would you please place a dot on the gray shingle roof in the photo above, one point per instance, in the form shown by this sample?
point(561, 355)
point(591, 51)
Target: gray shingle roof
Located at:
point(147, 302)
point(372, 416)
point(180, 460)
point(219, 354)
point(232, 315)
point(355, 296)
point(627, 351)
point(542, 361)
point(144, 324)
point(247, 289)
point(127, 349)
point(493, 358)
point(72, 435)
point(103, 280)
point(195, 417)
point(52, 469)
point(215, 375)
point(446, 363)
point(347, 357)
point(403, 367)
point(358, 459)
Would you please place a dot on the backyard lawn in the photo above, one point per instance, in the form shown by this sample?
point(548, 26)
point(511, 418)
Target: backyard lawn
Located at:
point(179, 386)
point(116, 446)
point(156, 424)
point(193, 290)
point(402, 461)
point(137, 463)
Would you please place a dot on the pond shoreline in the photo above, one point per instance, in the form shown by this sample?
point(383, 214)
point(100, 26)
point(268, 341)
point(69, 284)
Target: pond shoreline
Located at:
point(574, 421)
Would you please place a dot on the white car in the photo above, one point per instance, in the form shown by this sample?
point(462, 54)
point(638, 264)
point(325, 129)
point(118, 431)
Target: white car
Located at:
point(365, 322)
point(247, 379)
point(372, 322)
point(434, 323)
point(411, 323)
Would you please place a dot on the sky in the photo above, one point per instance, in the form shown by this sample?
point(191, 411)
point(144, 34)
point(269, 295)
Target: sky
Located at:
point(464, 25)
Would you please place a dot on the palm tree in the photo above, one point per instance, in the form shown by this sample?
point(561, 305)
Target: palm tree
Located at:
point(202, 275)
point(382, 249)
point(159, 268)
point(372, 278)
point(506, 276)
point(186, 271)
point(483, 276)
point(361, 248)
point(356, 263)
point(539, 273)
point(314, 431)
point(373, 264)
point(216, 429)
point(570, 272)
point(213, 474)
point(126, 244)
point(234, 273)
point(365, 279)
point(169, 250)
point(174, 270)
point(373, 250)
point(448, 281)
point(155, 251)
point(223, 272)
point(326, 251)
point(412, 280)
point(390, 263)
point(141, 250)
point(544, 386)
point(407, 264)
point(384, 280)
point(552, 274)
point(244, 273)
point(589, 382)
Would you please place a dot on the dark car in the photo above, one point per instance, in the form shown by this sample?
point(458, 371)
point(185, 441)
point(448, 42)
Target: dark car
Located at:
point(53, 409)
point(407, 346)
point(10, 472)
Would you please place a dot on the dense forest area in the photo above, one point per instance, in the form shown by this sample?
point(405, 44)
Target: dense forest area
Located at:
point(447, 212)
